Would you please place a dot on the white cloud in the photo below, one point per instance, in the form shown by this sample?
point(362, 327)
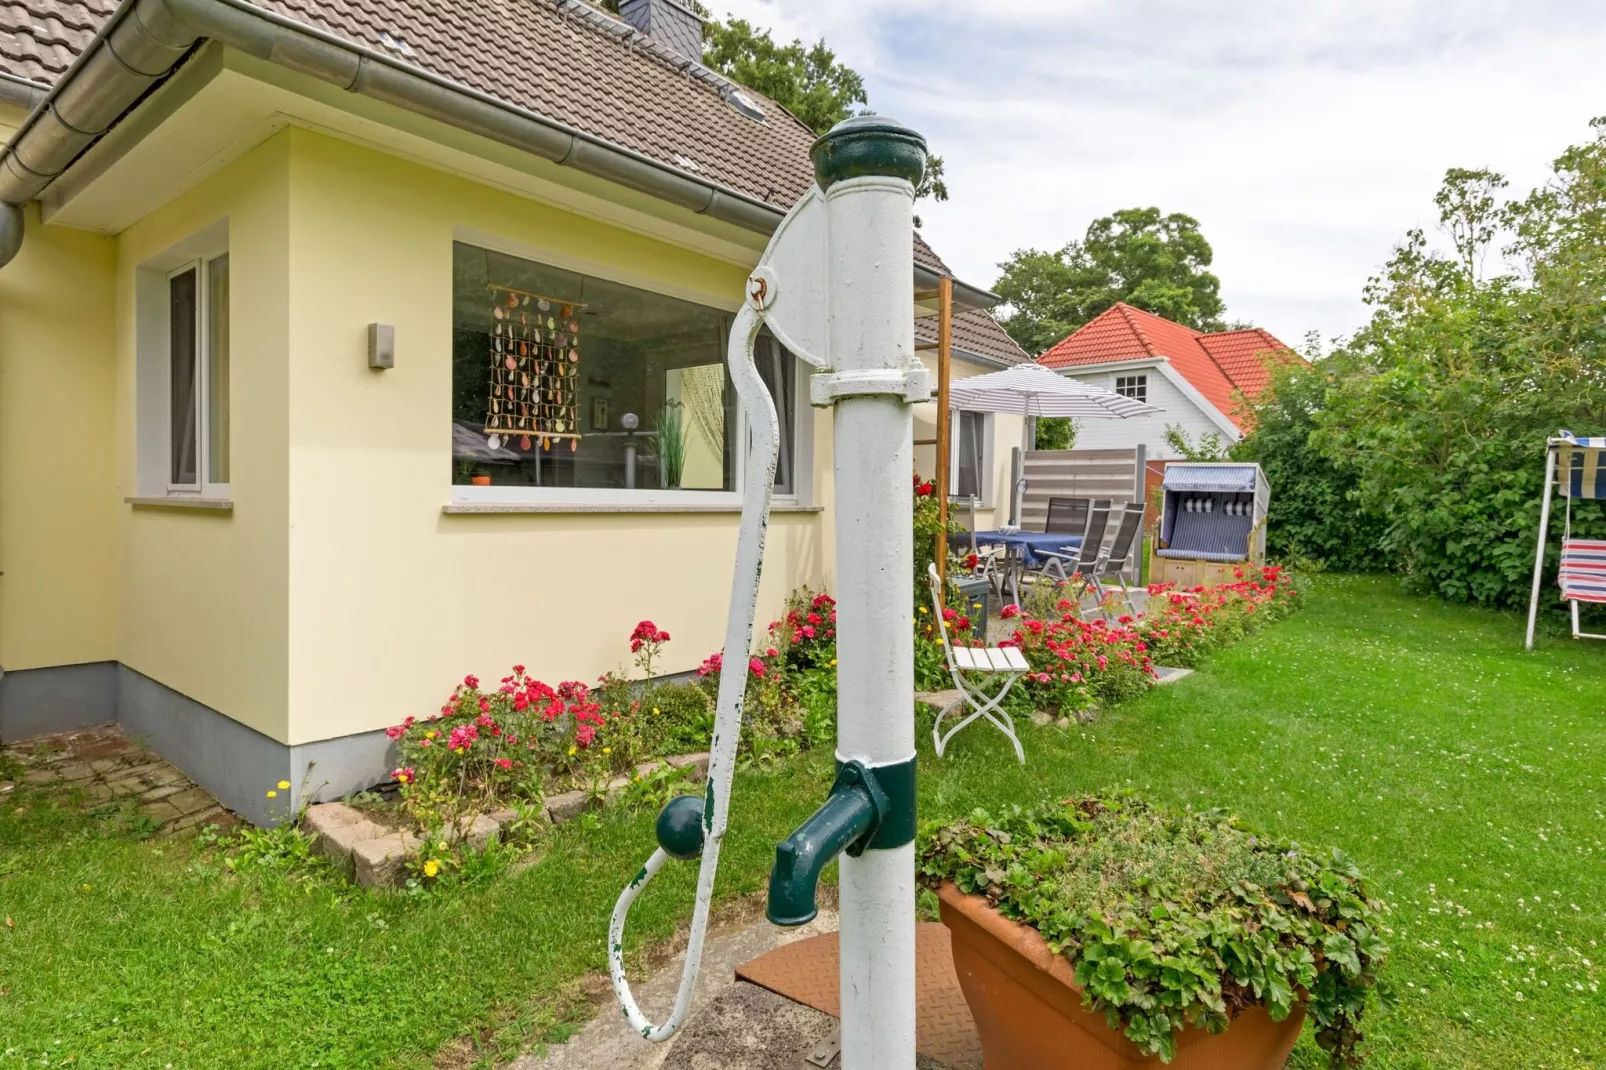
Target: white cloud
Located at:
point(1305, 137)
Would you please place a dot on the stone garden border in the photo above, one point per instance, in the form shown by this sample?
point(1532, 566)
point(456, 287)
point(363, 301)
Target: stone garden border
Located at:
point(373, 856)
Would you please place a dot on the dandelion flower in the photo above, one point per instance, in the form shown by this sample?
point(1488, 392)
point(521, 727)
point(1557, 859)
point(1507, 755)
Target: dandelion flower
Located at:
point(284, 785)
point(655, 710)
point(432, 867)
point(273, 794)
point(607, 750)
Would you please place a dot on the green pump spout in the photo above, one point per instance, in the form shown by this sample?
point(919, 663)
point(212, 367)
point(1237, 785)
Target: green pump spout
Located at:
point(847, 821)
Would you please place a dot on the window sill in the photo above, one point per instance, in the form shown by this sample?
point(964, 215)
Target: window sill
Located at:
point(174, 501)
point(470, 508)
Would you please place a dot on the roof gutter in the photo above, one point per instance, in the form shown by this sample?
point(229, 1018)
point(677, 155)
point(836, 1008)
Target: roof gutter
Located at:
point(144, 40)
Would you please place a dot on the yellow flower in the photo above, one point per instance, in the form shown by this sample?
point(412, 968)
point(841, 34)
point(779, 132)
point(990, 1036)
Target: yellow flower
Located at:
point(431, 734)
point(922, 609)
point(655, 709)
point(607, 750)
point(432, 867)
point(833, 661)
point(284, 785)
point(571, 752)
point(272, 794)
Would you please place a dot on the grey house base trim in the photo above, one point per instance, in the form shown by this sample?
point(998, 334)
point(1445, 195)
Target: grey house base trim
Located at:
point(58, 699)
point(237, 764)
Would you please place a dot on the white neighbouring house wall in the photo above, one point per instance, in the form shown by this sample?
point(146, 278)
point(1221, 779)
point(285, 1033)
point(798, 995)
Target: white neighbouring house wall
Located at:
point(1182, 404)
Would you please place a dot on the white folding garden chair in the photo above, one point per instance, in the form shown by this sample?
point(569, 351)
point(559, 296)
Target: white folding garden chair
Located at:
point(987, 663)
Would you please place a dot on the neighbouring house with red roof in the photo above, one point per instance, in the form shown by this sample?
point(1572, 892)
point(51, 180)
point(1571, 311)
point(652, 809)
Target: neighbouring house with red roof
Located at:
point(1199, 379)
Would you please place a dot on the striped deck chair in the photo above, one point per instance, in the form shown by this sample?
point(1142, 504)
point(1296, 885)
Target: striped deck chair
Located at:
point(1583, 576)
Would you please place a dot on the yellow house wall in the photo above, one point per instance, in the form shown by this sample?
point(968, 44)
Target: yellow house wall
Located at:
point(58, 473)
point(204, 594)
point(391, 601)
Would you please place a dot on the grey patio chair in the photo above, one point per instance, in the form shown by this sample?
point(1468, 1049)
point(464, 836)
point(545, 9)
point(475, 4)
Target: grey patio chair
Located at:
point(1053, 565)
point(1067, 516)
point(1111, 564)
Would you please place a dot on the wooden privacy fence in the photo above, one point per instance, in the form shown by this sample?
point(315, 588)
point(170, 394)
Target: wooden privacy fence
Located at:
point(1114, 474)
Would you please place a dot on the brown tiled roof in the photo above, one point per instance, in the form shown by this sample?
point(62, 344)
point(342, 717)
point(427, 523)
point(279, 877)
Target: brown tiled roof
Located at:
point(977, 333)
point(561, 59)
point(554, 60)
point(39, 39)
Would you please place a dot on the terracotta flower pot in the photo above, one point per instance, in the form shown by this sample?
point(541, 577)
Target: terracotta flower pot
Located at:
point(480, 481)
point(1029, 1011)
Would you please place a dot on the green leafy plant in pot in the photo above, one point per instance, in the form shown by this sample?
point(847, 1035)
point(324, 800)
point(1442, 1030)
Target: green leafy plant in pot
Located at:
point(668, 442)
point(1103, 931)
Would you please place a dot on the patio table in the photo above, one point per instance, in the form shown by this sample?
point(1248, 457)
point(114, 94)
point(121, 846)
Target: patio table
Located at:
point(1024, 545)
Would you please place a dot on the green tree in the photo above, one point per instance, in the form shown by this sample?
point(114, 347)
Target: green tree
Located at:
point(1311, 516)
point(1434, 416)
point(806, 80)
point(1147, 258)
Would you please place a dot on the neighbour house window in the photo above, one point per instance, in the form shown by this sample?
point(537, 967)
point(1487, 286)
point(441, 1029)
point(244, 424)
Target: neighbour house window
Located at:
point(571, 381)
point(198, 375)
point(970, 436)
point(1133, 386)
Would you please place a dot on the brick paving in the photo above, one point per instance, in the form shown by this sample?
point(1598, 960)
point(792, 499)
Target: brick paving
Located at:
point(111, 769)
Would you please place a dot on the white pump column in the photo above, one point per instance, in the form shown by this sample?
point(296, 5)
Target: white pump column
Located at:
point(877, 377)
point(835, 287)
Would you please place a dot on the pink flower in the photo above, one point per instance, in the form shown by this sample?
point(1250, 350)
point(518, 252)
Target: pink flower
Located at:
point(1009, 611)
point(807, 631)
point(771, 652)
point(711, 664)
point(396, 731)
point(471, 682)
point(755, 667)
point(404, 774)
point(503, 763)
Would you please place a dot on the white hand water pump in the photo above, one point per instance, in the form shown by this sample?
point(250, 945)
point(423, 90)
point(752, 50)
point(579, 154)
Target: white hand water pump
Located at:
point(835, 288)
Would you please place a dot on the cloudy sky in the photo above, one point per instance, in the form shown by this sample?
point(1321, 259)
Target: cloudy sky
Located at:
point(1306, 137)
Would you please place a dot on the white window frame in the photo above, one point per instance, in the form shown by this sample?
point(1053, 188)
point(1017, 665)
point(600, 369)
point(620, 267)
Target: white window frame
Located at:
point(153, 368)
point(1135, 387)
point(649, 497)
point(989, 431)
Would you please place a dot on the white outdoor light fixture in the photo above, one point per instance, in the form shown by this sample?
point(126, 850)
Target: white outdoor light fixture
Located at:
point(834, 288)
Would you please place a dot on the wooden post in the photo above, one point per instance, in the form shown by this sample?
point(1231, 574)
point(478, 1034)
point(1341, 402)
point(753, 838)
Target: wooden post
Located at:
point(945, 341)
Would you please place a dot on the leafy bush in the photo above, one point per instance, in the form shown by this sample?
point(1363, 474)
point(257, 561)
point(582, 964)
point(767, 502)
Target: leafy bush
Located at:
point(1176, 919)
point(1431, 421)
point(1312, 516)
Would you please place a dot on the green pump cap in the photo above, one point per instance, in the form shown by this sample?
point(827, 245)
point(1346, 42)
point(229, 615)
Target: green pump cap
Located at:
point(868, 145)
point(680, 827)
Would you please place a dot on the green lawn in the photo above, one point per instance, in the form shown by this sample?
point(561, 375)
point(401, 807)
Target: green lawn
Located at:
point(1468, 777)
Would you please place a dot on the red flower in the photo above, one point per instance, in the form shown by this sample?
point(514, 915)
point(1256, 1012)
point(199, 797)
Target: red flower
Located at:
point(471, 682)
point(925, 490)
point(755, 666)
point(1011, 610)
point(711, 664)
point(972, 560)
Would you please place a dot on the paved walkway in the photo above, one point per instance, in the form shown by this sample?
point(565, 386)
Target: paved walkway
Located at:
point(112, 769)
point(608, 1043)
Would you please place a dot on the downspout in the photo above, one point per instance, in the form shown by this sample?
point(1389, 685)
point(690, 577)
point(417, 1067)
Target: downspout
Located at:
point(144, 39)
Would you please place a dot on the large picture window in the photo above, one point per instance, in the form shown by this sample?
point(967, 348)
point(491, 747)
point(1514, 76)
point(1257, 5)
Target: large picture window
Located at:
point(566, 380)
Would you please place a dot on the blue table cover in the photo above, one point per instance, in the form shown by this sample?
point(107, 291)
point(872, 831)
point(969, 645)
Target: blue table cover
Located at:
point(1027, 543)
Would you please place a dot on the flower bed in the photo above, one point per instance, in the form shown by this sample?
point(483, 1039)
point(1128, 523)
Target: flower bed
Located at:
point(1176, 920)
point(524, 753)
point(1078, 665)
